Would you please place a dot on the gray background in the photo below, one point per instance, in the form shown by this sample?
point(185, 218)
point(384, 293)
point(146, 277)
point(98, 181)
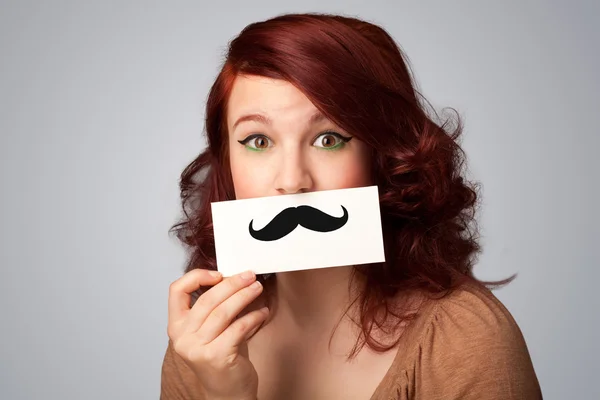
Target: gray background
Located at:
point(101, 107)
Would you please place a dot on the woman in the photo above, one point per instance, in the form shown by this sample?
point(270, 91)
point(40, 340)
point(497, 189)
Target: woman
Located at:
point(308, 102)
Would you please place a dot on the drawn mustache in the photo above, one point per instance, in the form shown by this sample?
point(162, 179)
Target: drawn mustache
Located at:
point(287, 220)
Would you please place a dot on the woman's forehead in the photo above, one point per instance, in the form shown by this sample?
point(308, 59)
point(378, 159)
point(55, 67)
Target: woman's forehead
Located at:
point(269, 102)
point(271, 95)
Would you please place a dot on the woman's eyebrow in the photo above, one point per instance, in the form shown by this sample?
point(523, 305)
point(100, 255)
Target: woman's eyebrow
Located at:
point(260, 118)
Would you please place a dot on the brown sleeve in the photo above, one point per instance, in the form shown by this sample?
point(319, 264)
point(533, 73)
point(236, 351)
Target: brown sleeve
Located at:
point(474, 350)
point(178, 381)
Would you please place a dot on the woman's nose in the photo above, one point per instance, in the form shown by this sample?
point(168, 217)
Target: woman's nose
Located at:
point(293, 174)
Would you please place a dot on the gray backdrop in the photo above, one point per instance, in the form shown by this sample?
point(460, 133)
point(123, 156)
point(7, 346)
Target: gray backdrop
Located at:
point(102, 107)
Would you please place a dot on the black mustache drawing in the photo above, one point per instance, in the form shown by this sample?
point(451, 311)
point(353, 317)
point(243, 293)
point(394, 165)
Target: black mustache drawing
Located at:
point(287, 220)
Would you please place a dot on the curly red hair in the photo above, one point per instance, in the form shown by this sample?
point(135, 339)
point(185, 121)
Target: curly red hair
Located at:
point(356, 75)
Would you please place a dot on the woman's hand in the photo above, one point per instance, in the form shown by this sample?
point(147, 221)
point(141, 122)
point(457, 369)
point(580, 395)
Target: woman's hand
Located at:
point(208, 336)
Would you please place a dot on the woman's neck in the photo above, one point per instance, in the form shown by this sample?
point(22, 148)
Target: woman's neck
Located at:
point(311, 302)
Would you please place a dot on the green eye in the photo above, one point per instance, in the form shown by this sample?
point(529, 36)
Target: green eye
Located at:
point(331, 140)
point(256, 142)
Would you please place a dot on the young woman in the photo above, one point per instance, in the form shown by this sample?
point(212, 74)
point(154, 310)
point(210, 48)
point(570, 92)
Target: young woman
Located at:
point(308, 102)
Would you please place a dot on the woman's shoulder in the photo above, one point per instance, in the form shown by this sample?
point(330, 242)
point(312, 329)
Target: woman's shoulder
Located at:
point(472, 323)
point(474, 311)
point(466, 345)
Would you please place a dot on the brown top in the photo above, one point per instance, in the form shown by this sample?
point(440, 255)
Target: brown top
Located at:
point(463, 346)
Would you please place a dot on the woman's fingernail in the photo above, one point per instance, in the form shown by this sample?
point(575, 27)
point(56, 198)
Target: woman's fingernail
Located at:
point(248, 275)
point(256, 285)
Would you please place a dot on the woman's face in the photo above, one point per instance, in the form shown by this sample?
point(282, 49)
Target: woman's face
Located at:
point(280, 144)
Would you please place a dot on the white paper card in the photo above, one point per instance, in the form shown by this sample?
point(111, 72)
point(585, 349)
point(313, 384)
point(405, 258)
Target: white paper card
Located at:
point(336, 228)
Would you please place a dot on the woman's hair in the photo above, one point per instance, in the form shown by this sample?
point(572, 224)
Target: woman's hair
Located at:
point(356, 75)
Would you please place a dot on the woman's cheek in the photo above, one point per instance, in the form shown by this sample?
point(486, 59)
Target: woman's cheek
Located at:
point(349, 172)
point(249, 181)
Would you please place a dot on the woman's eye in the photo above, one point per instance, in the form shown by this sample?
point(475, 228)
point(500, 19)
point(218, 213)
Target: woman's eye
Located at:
point(326, 140)
point(331, 140)
point(256, 142)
